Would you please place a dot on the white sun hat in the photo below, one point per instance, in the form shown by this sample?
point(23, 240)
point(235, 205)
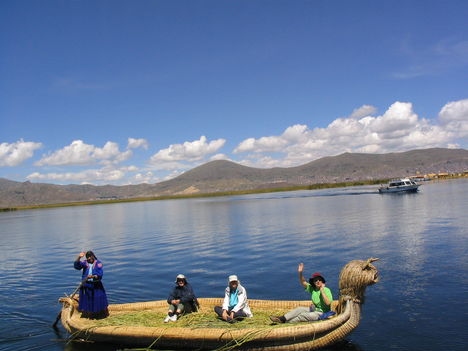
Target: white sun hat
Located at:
point(180, 276)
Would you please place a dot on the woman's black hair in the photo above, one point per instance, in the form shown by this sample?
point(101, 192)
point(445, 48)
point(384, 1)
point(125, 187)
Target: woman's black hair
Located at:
point(90, 254)
point(312, 280)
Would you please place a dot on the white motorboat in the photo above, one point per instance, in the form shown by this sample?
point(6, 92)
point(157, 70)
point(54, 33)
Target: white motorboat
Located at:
point(399, 185)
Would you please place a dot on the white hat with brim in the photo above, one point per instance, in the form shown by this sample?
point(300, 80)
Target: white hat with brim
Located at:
point(233, 278)
point(180, 276)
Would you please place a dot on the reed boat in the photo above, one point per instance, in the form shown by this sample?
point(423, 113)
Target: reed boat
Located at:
point(354, 278)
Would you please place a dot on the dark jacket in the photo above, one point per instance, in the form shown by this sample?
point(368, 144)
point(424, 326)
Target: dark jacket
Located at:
point(185, 294)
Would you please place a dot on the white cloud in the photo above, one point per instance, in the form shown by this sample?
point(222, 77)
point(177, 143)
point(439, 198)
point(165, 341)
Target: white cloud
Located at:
point(253, 160)
point(136, 143)
point(272, 143)
point(295, 133)
point(398, 129)
point(15, 153)
point(129, 169)
point(169, 166)
point(363, 111)
point(146, 177)
point(246, 145)
point(188, 151)
point(172, 175)
point(108, 174)
point(79, 153)
point(87, 176)
point(454, 117)
point(219, 157)
point(399, 118)
point(264, 144)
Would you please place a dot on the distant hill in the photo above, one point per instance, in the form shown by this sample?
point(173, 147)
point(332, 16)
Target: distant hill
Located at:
point(220, 176)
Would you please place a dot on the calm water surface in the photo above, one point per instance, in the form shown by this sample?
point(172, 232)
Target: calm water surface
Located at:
point(421, 239)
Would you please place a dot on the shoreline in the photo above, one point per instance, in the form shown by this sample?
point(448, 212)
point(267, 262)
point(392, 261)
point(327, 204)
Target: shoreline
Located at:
point(203, 195)
point(193, 196)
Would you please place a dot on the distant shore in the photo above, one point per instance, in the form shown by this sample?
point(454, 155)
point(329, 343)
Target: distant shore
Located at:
point(191, 196)
point(216, 194)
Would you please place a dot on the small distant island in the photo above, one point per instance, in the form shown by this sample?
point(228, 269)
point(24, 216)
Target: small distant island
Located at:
point(220, 178)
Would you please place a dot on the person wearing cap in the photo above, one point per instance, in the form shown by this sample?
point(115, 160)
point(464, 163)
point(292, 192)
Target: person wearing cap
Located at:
point(235, 305)
point(93, 299)
point(181, 300)
point(321, 301)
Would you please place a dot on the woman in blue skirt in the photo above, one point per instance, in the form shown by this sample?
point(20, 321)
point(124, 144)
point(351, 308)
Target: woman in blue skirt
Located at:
point(93, 299)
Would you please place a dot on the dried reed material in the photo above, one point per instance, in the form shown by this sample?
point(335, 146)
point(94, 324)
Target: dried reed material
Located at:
point(354, 279)
point(126, 323)
point(202, 319)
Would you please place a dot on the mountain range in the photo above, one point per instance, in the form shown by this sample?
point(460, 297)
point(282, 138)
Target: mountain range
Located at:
point(222, 176)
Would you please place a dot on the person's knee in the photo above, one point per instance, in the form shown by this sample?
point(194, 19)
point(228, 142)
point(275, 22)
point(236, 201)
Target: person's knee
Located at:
point(240, 314)
point(180, 308)
point(305, 317)
point(313, 316)
point(299, 310)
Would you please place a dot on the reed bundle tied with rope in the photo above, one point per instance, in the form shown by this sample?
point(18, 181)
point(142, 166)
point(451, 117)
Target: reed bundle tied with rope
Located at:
point(354, 279)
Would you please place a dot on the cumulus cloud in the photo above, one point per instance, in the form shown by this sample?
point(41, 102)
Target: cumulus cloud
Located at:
point(106, 175)
point(398, 129)
point(454, 117)
point(15, 153)
point(130, 169)
point(272, 143)
point(172, 175)
point(219, 157)
point(399, 119)
point(87, 176)
point(169, 166)
point(363, 111)
point(259, 161)
point(136, 143)
point(188, 151)
point(146, 177)
point(187, 155)
point(79, 153)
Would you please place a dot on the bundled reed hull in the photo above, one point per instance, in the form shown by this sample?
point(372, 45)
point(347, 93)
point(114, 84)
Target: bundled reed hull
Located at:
point(354, 278)
point(298, 336)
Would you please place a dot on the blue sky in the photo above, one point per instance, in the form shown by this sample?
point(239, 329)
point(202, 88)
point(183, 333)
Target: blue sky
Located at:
point(124, 92)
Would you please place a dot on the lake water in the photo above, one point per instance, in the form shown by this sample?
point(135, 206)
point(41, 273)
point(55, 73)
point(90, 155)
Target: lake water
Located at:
point(421, 239)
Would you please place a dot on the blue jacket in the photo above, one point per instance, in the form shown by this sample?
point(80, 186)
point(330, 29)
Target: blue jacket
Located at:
point(97, 270)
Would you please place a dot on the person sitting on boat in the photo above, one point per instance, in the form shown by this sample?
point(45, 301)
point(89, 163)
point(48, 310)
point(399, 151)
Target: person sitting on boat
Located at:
point(93, 298)
point(181, 300)
point(235, 305)
point(321, 301)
